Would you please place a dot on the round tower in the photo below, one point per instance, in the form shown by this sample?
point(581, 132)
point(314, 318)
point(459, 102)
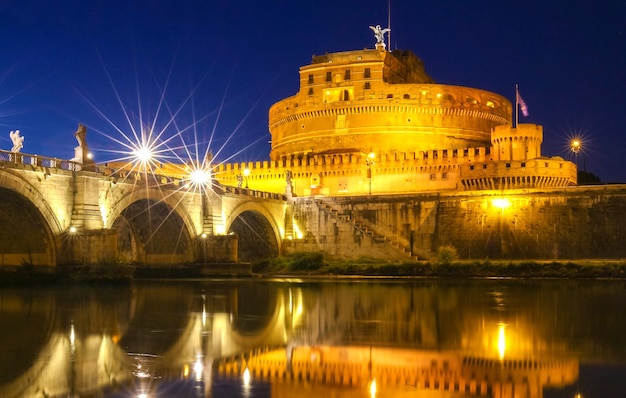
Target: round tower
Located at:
point(521, 143)
point(375, 100)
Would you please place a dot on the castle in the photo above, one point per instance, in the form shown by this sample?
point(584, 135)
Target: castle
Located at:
point(373, 122)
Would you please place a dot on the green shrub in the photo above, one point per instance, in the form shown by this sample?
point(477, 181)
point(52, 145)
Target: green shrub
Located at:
point(446, 255)
point(307, 261)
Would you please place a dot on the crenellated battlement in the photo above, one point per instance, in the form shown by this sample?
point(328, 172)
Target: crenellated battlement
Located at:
point(350, 173)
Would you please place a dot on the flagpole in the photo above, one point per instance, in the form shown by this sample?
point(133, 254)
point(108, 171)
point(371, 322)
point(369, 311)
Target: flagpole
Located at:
point(516, 106)
point(389, 25)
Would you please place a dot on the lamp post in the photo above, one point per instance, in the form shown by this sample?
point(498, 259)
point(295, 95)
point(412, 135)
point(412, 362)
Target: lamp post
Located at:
point(369, 161)
point(576, 146)
point(246, 174)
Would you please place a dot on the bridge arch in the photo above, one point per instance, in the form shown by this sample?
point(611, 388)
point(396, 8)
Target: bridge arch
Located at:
point(151, 228)
point(29, 228)
point(257, 230)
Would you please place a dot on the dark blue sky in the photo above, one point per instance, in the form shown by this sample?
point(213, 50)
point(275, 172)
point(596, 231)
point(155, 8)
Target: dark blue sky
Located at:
point(113, 64)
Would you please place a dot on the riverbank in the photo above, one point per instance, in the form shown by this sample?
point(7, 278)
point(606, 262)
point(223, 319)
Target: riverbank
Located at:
point(315, 265)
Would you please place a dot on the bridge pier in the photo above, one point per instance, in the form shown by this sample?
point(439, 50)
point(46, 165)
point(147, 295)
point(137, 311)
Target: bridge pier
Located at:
point(89, 247)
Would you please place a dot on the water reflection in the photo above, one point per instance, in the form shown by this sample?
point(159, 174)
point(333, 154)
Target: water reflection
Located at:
point(228, 338)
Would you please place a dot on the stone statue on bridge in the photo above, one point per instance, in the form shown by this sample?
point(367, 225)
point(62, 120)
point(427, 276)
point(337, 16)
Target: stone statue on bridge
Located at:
point(81, 152)
point(18, 141)
point(81, 135)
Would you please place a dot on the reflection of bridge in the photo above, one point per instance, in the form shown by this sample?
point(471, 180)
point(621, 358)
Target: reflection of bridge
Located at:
point(479, 337)
point(74, 356)
point(58, 211)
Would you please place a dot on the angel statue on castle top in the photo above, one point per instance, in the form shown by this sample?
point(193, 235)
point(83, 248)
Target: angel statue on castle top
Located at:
point(379, 34)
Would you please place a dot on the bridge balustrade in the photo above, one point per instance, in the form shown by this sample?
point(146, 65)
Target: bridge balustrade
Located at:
point(36, 160)
point(253, 193)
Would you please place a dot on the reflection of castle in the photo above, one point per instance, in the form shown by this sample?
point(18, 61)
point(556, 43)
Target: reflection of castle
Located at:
point(374, 121)
point(414, 370)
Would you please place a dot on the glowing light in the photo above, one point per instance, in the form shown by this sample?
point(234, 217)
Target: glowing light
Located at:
point(72, 335)
point(72, 230)
point(103, 214)
point(297, 231)
point(576, 145)
point(246, 377)
point(200, 177)
point(501, 340)
point(204, 235)
point(373, 388)
point(198, 367)
point(501, 203)
point(186, 370)
point(143, 154)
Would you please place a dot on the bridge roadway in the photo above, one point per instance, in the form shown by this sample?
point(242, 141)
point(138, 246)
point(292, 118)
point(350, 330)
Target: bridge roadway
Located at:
point(56, 212)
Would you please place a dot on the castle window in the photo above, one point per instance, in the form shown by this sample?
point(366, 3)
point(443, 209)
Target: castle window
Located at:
point(465, 152)
point(523, 164)
point(444, 176)
point(310, 90)
point(367, 86)
point(484, 166)
point(346, 95)
point(433, 176)
point(487, 150)
point(455, 153)
point(546, 164)
point(346, 75)
point(508, 165)
point(445, 153)
point(389, 95)
point(367, 73)
point(471, 167)
point(406, 96)
point(329, 76)
point(491, 104)
point(311, 79)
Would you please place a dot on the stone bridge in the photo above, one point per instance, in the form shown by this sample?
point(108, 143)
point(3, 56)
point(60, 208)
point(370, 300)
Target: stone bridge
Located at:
point(56, 212)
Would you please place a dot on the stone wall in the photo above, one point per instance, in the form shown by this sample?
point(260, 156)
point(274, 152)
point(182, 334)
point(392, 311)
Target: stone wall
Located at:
point(569, 223)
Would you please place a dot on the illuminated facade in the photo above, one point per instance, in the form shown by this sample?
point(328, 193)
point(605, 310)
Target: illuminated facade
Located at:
point(373, 121)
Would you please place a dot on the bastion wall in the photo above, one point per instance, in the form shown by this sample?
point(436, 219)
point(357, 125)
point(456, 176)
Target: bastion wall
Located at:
point(586, 222)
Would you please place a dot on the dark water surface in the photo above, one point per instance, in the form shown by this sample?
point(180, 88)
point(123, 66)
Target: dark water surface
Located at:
point(172, 338)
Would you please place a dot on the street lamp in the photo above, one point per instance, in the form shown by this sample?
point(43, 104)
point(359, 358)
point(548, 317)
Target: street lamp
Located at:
point(576, 146)
point(369, 161)
point(246, 174)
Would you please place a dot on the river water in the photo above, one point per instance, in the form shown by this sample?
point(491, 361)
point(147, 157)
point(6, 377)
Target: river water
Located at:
point(332, 338)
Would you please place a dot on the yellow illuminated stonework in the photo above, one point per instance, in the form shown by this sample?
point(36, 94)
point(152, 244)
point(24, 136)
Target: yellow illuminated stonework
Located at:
point(426, 136)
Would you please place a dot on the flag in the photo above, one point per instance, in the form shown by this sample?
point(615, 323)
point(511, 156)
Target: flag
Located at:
point(522, 104)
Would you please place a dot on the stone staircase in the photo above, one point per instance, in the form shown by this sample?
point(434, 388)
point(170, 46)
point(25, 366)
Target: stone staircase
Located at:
point(367, 228)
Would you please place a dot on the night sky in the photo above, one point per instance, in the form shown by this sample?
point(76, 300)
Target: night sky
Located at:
point(207, 72)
